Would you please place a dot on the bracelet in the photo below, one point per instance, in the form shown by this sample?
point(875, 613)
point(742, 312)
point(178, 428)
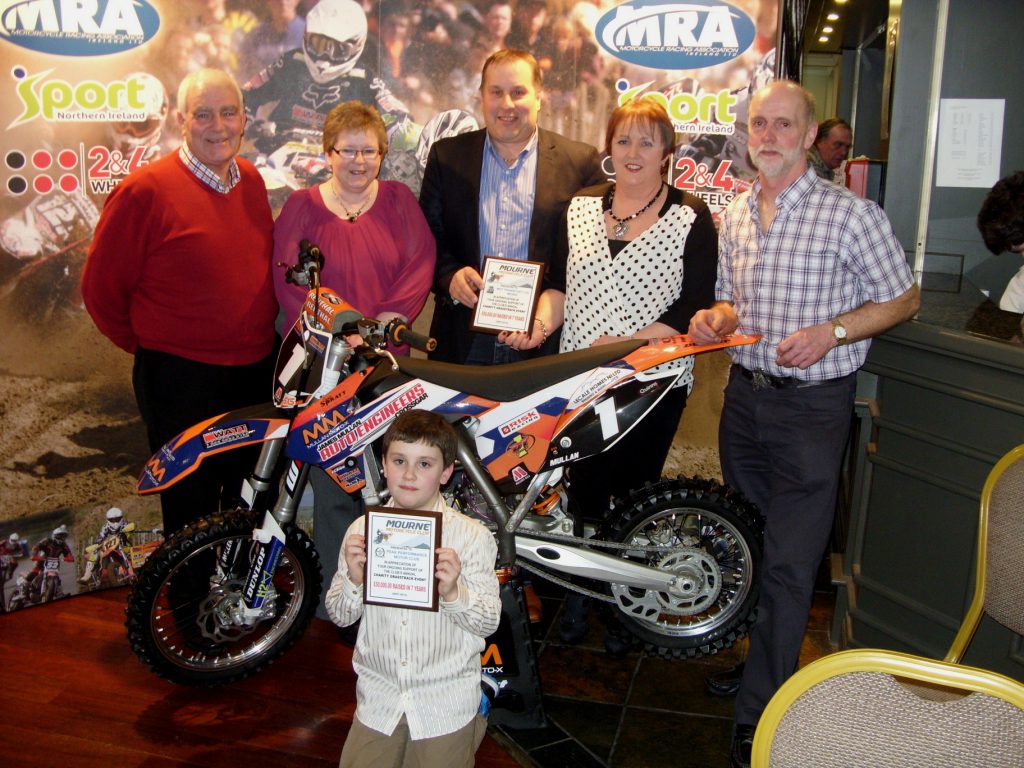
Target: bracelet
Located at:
point(543, 329)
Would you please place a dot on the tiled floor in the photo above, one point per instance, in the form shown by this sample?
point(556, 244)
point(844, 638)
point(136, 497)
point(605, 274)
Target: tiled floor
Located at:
point(637, 711)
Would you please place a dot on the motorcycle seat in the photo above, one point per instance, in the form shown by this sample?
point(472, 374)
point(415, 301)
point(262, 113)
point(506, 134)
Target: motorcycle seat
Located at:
point(516, 380)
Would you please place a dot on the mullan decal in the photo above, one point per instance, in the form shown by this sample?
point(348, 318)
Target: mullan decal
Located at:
point(558, 460)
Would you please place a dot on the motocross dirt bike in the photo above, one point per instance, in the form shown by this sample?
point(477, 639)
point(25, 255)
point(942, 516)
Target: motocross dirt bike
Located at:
point(50, 588)
point(225, 596)
point(26, 592)
point(40, 586)
point(8, 565)
point(110, 559)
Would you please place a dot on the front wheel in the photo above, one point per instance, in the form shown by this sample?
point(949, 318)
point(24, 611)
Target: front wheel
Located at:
point(711, 540)
point(50, 590)
point(185, 611)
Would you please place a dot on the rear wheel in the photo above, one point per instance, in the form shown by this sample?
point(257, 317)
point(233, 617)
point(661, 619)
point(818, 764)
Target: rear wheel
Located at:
point(184, 612)
point(713, 542)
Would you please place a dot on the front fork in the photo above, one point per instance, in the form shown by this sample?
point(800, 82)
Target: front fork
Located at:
point(269, 537)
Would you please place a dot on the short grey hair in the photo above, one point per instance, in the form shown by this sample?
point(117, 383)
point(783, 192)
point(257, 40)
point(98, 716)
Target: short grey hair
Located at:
point(201, 77)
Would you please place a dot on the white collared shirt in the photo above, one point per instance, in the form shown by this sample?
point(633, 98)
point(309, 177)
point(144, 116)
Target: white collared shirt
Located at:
point(422, 664)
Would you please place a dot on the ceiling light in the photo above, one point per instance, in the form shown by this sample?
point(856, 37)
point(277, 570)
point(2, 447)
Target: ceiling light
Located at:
point(823, 39)
point(827, 30)
point(833, 17)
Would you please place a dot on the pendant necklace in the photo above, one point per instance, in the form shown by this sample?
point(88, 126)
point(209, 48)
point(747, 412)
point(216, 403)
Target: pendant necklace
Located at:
point(349, 214)
point(622, 225)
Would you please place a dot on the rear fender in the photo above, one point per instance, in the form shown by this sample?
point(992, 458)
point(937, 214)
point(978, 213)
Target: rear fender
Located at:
point(616, 396)
point(236, 429)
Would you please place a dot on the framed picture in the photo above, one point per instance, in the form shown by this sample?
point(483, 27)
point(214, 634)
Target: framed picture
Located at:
point(401, 556)
point(508, 300)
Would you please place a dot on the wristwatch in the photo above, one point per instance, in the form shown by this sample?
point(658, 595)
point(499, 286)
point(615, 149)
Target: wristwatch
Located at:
point(839, 332)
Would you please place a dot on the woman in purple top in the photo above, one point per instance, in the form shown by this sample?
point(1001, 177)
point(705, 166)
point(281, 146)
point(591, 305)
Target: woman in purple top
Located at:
point(378, 250)
point(378, 254)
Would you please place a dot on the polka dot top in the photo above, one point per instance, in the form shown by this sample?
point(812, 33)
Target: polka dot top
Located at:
point(620, 287)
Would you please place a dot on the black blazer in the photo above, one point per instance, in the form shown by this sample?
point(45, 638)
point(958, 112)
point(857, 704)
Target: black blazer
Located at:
point(450, 198)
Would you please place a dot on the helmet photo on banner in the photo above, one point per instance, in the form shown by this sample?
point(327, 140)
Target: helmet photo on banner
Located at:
point(128, 135)
point(335, 36)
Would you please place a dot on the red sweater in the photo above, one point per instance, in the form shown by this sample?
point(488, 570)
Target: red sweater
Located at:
point(177, 267)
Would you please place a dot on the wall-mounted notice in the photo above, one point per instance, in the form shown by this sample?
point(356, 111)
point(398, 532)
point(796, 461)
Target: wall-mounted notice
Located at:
point(970, 142)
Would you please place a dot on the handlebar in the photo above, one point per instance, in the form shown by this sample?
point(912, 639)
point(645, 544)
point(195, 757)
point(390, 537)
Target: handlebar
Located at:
point(400, 333)
point(374, 332)
point(307, 271)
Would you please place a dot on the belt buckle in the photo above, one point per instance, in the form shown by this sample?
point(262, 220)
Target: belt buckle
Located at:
point(761, 380)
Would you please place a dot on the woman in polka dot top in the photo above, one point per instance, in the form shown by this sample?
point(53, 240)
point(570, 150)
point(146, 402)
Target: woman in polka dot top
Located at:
point(640, 258)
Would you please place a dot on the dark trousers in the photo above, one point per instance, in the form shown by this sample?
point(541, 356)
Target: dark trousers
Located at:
point(334, 510)
point(782, 448)
point(484, 349)
point(173, 393)
point(636, 458)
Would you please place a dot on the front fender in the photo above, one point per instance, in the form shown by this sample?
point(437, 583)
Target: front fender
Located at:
point(181, 456)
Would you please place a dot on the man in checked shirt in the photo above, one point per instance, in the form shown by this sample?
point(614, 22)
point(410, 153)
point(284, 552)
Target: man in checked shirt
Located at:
point(818, 272)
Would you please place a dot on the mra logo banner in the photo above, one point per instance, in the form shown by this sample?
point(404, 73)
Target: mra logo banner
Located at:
point(666, 35)
point(64, 28)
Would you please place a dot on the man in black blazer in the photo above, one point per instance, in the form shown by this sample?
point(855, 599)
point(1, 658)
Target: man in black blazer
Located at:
point(476, 196)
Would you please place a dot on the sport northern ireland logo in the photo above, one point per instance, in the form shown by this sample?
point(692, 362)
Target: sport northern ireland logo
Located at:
point(668, 35)
point(78, 27)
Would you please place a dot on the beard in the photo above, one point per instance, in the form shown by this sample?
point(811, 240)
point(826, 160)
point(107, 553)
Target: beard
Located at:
point(778, 164)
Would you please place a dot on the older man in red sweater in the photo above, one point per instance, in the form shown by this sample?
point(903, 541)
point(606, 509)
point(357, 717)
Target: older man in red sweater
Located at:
point(179, 275)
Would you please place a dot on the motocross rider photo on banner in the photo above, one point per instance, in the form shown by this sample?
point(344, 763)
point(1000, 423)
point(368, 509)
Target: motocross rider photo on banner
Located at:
point(90, 95)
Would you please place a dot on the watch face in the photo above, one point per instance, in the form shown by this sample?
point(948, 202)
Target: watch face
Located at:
point(839, 330)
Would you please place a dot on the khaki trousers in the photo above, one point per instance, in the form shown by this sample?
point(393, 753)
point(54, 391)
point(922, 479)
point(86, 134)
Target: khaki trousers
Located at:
point(367, 748)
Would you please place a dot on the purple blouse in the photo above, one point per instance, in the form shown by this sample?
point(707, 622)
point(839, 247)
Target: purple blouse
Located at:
point(381, 262)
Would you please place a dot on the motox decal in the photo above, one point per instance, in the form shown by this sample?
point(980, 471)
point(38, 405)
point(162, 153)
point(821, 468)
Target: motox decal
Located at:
point(519, 474)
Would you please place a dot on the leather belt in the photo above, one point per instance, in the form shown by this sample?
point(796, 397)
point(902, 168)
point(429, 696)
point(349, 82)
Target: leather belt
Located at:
point(762, 380)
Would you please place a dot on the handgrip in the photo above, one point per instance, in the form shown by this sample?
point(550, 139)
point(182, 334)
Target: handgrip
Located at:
point(403, 334)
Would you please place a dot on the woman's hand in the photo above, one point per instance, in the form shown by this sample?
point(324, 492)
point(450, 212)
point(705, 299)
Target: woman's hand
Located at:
point(522, 341)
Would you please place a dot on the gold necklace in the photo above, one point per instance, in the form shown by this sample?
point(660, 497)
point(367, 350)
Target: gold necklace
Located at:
point(622, 225)
point(349, 214)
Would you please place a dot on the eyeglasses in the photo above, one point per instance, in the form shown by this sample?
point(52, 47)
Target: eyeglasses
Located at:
point(351, 154)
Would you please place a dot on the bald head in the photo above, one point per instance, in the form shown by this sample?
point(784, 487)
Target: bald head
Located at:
point(782, 129)
point(803, 97)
